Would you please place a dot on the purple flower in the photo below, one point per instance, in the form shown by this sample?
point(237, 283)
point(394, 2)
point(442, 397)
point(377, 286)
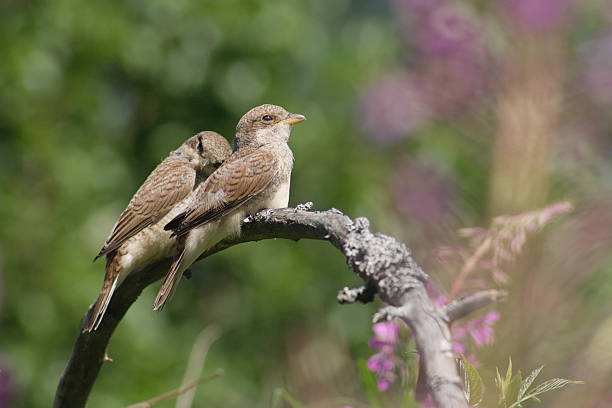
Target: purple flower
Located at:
point(421, 192)
point(455, 54)
point(450, 71)
point(598, 71)
point(393, 107)
point(385, 336)
point(479, 329)
point(463, 76)
point(450, 29)
point(382, 384)
point(385, 362)
point(374, 363)
point(537, 15)
point(458, 348)
point(482, 332)
point(386, 332)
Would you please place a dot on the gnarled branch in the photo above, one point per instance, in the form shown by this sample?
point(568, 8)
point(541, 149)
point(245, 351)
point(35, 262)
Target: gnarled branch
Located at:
point(385, 265)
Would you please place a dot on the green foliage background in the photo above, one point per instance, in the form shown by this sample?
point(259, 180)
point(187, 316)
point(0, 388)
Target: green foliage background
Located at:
point(94, 94)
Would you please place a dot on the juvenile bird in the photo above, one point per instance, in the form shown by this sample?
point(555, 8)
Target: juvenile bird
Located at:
point(256, 176)
point(138, 237)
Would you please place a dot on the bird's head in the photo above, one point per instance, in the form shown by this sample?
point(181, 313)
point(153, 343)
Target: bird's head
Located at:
point(265, 124)
point(206, 149)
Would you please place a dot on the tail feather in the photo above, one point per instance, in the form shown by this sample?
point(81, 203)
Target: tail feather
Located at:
point(111, 280)
point(99, 254)
point(172, 278)
point(175, 223)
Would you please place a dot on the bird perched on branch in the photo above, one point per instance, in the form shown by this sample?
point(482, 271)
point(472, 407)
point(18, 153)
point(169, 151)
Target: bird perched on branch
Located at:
point(138, 237)
point(256, 176)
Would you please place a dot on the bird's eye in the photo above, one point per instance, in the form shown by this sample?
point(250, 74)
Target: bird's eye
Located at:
point(267, 118)
point(200, 146)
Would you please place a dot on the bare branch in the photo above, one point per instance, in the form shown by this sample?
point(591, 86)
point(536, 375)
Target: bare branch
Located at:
point(464, 306)
point(384, 263)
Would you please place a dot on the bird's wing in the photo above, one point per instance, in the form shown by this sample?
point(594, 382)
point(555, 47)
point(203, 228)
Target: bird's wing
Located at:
point(165, 187)
point(233, 184)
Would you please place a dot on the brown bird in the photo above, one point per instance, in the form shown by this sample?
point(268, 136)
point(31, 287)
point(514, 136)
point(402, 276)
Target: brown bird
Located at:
point(256, 176)
point(138, 237)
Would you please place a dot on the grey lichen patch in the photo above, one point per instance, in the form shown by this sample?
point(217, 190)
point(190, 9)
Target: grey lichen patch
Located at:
point(307, 206)
point(381, 259)
point(361, 224)
point(363, 294)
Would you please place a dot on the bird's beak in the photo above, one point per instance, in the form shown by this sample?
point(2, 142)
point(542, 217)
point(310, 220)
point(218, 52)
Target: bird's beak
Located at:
point(293, 119)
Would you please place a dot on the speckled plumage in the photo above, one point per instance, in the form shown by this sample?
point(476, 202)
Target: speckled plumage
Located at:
point(138, 237)
point(256, 176)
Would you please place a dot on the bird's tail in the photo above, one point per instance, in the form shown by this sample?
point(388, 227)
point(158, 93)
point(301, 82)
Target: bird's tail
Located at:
point(172, 277)
point(111, 280)
point(175, 224)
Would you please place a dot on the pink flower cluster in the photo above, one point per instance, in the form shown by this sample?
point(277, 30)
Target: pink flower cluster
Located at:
point(480, 330)
point(385, 363)
point(449, 44)
point(537, 16)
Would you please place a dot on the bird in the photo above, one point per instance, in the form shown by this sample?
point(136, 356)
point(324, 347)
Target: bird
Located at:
point(256, 176)
point(138, 237)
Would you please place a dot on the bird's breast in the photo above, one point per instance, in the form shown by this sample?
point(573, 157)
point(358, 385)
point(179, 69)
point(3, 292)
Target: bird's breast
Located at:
point(279, 198)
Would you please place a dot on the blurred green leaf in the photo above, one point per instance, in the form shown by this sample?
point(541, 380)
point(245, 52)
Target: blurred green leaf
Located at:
point(472, 382)
point(368, 379)
point(509, 386)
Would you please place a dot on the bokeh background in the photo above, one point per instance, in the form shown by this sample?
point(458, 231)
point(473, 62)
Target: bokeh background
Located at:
point(426, 116)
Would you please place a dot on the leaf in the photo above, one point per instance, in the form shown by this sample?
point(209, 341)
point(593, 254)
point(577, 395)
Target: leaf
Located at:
point(549, 385)
point(500, 387)
point(512, 391)
point(509, 372)
point(472, 382)
point(504, 384)
point(509, 386)
point(528, 381)
point(553, 384)
point(369, 382)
